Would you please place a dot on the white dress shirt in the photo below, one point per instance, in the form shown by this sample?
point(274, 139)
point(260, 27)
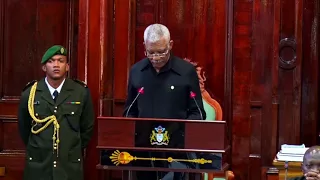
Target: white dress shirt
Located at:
point(51, 89)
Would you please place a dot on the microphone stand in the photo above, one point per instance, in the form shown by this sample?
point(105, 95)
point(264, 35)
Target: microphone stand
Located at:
point(134, 100)
point(192, 95)
point(127, 113)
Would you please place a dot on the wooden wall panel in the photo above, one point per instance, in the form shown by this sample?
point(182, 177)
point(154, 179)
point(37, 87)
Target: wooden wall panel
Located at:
point(19, 58)
point(10, 138)
point(122, 46)
point(310, 73)
point(95, 30)
point(147, 12)
point(290, 62)
point(27, 35)
point(13, 161)
point(242, 52)
point(27, 29)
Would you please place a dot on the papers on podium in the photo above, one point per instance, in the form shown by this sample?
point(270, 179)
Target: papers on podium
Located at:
point(291, 153)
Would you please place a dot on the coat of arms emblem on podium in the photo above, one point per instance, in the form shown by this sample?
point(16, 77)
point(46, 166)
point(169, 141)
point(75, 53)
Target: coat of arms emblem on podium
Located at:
point(159, 136)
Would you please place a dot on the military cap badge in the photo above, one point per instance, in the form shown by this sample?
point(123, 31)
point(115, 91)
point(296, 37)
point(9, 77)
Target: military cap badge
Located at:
point(54, 50)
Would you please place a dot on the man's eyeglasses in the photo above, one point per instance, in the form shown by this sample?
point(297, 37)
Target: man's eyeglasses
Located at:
point(152, 55)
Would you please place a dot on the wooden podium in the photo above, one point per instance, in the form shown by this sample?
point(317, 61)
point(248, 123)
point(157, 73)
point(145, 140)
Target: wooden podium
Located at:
point(140, 144)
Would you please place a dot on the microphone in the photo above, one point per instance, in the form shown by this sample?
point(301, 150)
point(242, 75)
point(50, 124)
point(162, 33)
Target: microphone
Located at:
point(140, 91)
point(193, 95)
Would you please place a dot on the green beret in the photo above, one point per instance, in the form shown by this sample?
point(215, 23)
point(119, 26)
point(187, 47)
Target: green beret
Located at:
point(54, 50)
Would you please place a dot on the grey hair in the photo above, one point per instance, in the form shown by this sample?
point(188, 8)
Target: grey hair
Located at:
point(154, 32)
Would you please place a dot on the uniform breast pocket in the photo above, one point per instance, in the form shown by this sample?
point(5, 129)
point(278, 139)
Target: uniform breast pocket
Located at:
point(72, 114)
point(42, 111)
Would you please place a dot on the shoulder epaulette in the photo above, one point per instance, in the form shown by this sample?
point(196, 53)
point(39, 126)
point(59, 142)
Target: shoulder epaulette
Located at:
point(82, 83)
point(29, 84)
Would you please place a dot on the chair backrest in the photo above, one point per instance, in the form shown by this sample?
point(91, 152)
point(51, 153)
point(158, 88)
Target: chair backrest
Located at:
point(210, 111)
point(215, 112)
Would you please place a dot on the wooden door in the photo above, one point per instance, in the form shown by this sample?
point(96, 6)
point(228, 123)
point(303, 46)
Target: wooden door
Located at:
point(27, 29)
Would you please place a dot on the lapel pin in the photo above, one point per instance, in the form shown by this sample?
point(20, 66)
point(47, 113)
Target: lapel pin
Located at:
point(36, 102)
point(172, 87)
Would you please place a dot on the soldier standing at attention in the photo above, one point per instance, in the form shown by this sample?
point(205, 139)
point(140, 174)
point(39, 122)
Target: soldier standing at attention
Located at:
point(56, 120)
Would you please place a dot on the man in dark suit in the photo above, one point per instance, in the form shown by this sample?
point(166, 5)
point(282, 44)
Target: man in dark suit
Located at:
point(310, 164)
point(167, 83)
point(55, 121)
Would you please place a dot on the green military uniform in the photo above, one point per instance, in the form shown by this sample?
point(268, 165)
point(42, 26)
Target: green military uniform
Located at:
point(55, 132)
